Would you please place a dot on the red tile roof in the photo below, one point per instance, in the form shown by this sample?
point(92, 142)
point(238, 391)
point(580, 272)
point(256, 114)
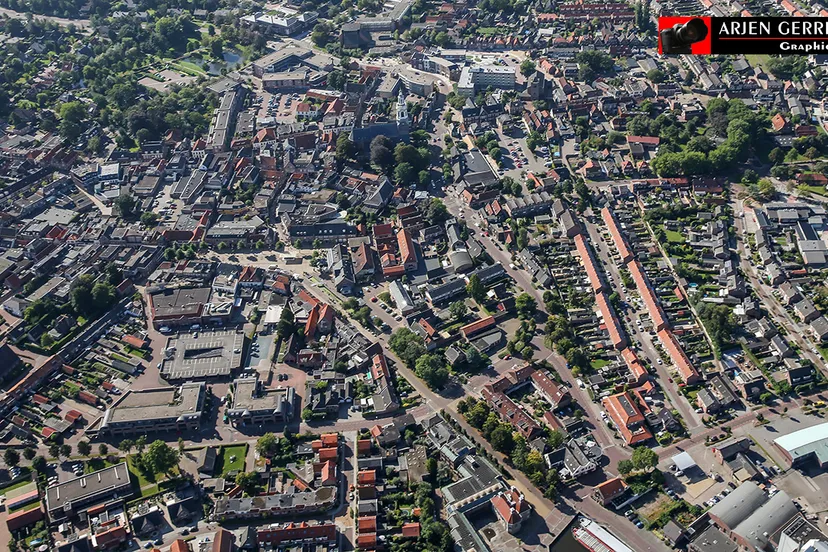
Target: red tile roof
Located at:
point(679, 358)
point(367, 524)
point(411, 530)
point(627, 418)
point(406, 245)
point(477, 326)
point(367, 477)
point(611, 488)
point(642, 284)
point(616, 333)
point(179, 545)
point(585, 253)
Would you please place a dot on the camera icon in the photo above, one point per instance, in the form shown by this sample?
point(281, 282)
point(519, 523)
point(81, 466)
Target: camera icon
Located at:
point(680, 38)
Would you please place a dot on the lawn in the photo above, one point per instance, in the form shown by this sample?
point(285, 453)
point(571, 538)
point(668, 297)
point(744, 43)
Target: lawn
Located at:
point(223, 463)
point(758, 60)
point(487, 31)
point(599, 363)
point(188, 67)
point(96, 464)
point(14, 486)
point(30, 506)
point(819, 190)
point(673, 236)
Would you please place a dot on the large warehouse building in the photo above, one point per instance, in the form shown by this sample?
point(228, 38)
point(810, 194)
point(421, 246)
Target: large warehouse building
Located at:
point(805, 445)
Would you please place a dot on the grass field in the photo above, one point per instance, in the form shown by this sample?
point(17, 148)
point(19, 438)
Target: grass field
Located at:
point(758, 60)
point(188, 67)
point(673, 236)
point(224, 465)
point(599, 363)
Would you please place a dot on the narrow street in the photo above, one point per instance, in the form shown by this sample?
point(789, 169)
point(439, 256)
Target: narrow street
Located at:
point(637, 335)
point(795, 331)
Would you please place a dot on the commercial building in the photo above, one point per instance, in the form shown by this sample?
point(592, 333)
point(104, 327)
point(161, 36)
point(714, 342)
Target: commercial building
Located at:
point(805, 445)
point(480, 77)
point(753, 519)
point(178, 307)
point(421, 84)
point(287, 23)
point(206, 354)
point(142, 411)
point(254, 405)
point(101, 487)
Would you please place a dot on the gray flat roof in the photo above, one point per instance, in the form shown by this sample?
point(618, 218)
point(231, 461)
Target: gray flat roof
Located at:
point(211, 354)
point(156, 404)
point(96, 483)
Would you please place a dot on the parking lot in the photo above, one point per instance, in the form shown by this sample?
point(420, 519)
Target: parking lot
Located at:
point(206, 353)
point(279, 106)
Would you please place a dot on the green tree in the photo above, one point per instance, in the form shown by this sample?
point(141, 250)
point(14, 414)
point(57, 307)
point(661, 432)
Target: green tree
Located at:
point(39, 464)
point(125, 205)
point(267, 444)
point(556, 439)
point(526, 305)
point(66, 450)
point(502, 439)
point(432, 370)
point(307, 414)
point(441, 39)
point(345, 149)
point(247, 481)
point(644, 458)
point(407, 345)
point(656, 76)
point(160, 457)
point(534, 462)
point(404, 174)
point(29, 453)
point(54, 450)
point(476, 289)
point(46, 341)
point(478, 415)
point(126, 445)
point(103, 450)
point(287, 324)
point(625, 467)
point(11, 457)
point(71, 115)
point(527, 67)
point(436, 212)
point(84, 448)
point(458, 310)
point(382, 156)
